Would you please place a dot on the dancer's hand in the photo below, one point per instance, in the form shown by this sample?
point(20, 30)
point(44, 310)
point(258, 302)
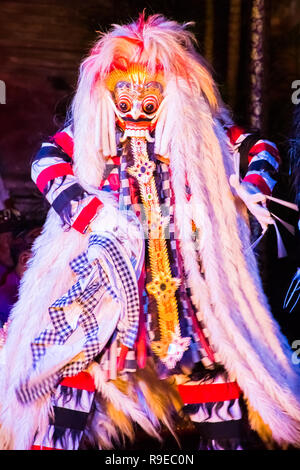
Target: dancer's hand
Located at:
point(256, 202)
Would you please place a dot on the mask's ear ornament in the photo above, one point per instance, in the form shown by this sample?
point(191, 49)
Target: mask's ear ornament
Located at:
point(136, 97)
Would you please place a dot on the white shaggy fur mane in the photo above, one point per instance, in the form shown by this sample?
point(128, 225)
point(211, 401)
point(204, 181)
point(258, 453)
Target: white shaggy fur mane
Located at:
point(229, 295)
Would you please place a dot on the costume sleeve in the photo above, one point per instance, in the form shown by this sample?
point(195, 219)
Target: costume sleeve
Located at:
point(260, 159)
point(52, 172)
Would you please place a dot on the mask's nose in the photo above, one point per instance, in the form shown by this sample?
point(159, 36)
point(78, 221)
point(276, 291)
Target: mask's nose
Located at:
point(136, 109)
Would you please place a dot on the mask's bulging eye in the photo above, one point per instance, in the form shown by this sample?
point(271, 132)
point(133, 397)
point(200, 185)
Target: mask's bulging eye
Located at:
point(150, 104)
point(124, 103)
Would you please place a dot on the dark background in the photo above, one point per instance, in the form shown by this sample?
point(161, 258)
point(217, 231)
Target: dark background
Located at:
point(42, 43)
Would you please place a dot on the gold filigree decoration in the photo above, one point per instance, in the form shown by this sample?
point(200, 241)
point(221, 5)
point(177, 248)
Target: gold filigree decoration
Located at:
point(163, 286)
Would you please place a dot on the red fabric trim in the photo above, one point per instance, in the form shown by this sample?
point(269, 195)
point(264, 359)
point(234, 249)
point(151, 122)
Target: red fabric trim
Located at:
point(114, 181)
point(52, 172)
point(234, 133)
point(116, 160)
point(86, 215)
point(65, 142)
point(209, 392)
point(43, 448)
point(260, 148)
point(122, 357)
point(134, 190)
point(258, 181)
point(81, 381)
point(141, 342)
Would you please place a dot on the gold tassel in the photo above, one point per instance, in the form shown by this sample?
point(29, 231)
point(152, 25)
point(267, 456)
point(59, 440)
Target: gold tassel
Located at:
point(121, 421)
point(161, 395)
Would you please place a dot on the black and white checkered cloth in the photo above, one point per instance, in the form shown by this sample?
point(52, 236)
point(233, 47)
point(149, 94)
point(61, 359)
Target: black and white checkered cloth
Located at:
point(129, 284)
point(86, 293)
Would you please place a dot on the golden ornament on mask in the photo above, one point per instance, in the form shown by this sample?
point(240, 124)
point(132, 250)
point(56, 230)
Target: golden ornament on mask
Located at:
point(136, 74)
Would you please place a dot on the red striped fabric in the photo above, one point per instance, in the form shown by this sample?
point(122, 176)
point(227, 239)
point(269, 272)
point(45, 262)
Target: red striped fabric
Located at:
point(263, 146)
point(52, 172)
point(204, 393)
point(258, 181)
point(234, 133)
point(86, 215)
point(43, 448)
point(81, 381)
point(65, 142)
point(116, 160)
point(114, 181)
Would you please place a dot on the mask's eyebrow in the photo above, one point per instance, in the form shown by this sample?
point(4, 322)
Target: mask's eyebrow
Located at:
point(155, 85)
point(123, 85)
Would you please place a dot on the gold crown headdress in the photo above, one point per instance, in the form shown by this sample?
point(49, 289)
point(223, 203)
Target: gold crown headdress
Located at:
point(134, 73)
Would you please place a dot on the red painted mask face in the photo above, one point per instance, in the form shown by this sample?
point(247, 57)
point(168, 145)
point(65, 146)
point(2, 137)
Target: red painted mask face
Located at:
point(138, 102)
point(137, 98)
point(137, 107)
